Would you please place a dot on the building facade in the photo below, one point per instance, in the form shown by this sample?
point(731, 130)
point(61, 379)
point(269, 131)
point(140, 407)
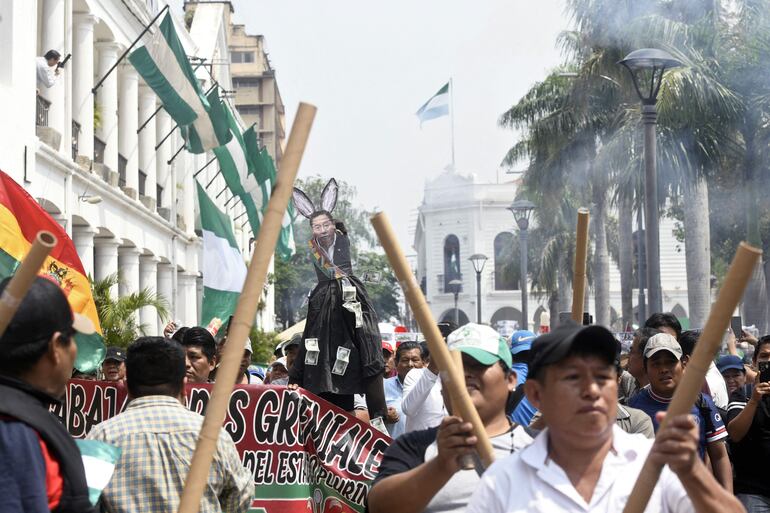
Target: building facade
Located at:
point(109, 165)
point(460, 217)
point(257, 97)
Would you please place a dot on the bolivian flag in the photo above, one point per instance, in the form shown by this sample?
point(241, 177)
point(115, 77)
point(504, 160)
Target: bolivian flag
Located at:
point(21, 218)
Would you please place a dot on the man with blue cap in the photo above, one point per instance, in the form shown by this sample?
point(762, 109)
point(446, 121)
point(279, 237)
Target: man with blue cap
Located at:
point(732, 370)
point(521, 343)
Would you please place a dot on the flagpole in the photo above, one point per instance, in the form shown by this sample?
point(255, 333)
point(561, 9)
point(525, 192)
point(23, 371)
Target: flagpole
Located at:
point(452, 118)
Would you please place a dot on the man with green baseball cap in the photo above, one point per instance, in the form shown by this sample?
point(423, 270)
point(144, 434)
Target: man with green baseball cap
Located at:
point(423, 470)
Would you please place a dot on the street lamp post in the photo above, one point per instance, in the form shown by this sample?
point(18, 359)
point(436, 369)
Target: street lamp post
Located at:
point(522, 211)
point(478, 260)
point(646, 67)
point(456, 284)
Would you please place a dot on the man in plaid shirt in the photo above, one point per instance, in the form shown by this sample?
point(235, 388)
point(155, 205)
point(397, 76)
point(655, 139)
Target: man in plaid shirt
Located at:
point(157, 435)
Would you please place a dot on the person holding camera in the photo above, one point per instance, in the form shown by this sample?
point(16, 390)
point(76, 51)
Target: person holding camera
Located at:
point(48, 69)
point(748, 423)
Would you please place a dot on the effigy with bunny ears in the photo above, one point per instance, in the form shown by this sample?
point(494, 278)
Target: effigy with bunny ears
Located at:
point(341, 353)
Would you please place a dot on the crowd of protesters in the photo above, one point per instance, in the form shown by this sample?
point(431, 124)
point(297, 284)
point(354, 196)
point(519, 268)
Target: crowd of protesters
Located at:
point(571, 418)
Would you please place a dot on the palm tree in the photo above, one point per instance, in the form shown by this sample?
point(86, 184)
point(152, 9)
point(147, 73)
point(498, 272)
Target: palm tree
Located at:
point(118, 316)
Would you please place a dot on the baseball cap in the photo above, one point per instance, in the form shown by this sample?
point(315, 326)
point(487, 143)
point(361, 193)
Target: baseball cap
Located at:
point(247, 346)
point(43, 311)
point(730, 361)
point(480, 342)
point(521, 341)
point(387, 346)
point(115, 353)
point(663, 342)
point(280, 361)
point(569, 339)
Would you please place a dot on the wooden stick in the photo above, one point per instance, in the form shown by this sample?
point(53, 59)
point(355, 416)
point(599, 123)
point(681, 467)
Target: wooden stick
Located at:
point(438, 349)
point(466, 461)
point(246, 311)
point(708, 344)
point(24, 276)
point(579, 276)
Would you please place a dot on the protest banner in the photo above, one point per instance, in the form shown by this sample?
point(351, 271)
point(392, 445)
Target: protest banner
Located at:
point(305, 454)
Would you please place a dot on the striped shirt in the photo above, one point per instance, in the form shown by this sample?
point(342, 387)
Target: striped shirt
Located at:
point(710, 424)
point(157, 435)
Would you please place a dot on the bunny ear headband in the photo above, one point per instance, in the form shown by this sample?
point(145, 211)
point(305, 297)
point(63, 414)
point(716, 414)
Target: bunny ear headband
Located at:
point(305, 206)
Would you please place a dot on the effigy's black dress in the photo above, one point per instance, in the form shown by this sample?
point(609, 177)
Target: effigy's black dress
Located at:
point(337, 356)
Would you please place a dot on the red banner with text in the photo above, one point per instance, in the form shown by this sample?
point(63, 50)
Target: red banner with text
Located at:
point(305, 454)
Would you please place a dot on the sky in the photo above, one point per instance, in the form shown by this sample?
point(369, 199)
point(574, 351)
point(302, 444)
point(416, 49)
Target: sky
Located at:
point(369, 66)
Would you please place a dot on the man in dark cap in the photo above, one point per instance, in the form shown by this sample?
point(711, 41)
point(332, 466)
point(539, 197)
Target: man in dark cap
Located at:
point(41, 469)
point(582, 461)
point(114, 364)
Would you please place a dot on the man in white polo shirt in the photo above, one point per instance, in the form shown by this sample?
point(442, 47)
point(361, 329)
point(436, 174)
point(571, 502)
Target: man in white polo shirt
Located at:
point(582, 461)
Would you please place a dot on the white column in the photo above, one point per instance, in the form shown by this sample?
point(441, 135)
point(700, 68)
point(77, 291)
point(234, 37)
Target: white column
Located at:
point(186, 299)
point(106, 260)
point(128, 112)
point(147, 141)
point(52, 36)
point(189, 191)
point(148, 279)
point(83, 238)
point(166, 289)
point(107, 102)
point(82, 69)
point(128, 261)
point(191, 299)
point(163, 170)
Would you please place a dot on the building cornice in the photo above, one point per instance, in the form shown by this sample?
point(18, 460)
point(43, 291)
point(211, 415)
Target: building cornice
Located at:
point(105, 190)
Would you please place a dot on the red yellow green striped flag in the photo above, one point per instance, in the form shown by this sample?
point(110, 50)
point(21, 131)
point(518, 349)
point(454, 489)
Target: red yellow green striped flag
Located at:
point(21, 218)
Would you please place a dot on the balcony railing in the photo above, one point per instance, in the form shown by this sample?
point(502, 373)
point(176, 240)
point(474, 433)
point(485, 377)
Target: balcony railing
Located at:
point(122, 163)
point(142, 182)
point(41, 112)
point(99, 147)
point(75, 138)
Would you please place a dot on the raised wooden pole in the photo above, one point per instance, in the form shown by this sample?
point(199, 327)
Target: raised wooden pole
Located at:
point(24, 276)
point(579, 276)
point(708, 344)
point(455, 383)
point(246, 311)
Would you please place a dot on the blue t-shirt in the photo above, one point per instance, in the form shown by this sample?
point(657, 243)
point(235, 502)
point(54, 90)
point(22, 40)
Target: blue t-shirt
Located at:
point(711, 426)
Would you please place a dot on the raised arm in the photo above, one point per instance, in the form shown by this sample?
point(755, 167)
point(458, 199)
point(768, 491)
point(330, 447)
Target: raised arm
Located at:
point(416, 390)
point(677, 446)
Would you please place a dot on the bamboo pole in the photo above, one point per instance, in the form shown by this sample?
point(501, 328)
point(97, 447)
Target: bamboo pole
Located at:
point(579, 276)
point(708, 344)
point(438, 349)
point(24, 276)
point(246, 311)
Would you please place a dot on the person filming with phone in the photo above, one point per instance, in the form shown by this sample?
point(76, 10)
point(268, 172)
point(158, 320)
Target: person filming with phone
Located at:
point(748, 423)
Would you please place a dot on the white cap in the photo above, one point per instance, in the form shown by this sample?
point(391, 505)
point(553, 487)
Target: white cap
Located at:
point(247, 346)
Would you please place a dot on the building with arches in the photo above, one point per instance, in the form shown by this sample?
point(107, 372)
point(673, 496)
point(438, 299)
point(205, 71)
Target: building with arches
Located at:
point(460, 216)
point(103, 165)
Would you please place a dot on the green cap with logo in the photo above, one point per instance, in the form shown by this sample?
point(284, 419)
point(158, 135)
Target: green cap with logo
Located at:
point(482, 343)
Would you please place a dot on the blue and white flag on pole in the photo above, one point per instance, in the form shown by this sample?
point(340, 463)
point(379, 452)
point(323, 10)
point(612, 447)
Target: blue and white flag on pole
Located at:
point(437, 106)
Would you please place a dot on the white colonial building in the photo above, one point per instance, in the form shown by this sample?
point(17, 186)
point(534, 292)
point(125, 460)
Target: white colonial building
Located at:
point(118, 185)
point(460, 216)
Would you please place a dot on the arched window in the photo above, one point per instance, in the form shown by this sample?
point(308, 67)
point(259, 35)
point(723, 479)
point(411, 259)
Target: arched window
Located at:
point(451, 262)
point(505, 273)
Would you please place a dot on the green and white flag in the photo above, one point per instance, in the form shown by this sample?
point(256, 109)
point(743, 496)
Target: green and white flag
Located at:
point(99, 460)
point(163, 64)
point(238, 171)
point(224, 270)
point(436, 106)
point(249, 173)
